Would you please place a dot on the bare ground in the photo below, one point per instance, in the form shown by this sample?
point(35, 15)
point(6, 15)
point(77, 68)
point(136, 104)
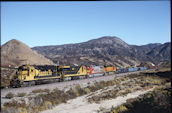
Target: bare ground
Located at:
point(80, 104)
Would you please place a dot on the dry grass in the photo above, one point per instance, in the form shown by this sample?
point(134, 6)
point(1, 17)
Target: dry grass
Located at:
point(124, 86)
point(119, 86)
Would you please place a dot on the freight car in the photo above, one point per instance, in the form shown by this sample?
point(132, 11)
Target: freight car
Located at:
point(142, 68)
point(131, 69)
point(122, 70)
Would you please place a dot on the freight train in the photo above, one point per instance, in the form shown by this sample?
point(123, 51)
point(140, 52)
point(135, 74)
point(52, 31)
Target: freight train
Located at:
point(28, 75)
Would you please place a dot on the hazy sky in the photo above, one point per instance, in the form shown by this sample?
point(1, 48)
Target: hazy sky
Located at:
point(55, 23)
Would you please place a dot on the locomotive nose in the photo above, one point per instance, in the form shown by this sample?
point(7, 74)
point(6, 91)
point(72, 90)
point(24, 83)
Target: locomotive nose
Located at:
point(14, 83)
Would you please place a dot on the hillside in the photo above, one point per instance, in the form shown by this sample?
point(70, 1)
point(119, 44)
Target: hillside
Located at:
point(161, 53)
point(107, 50)
point(16, 53)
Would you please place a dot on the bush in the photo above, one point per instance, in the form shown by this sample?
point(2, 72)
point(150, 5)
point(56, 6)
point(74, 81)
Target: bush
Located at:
point(119, 109)
point(9, 95)
point(14, 103)
point(48, 105)
point(41, 90)
point(55, 97)
point(37, 91)
point(87, 90)
point(21, 94)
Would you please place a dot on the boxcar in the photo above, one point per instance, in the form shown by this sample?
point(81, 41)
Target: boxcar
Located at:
point(122, 70)
point(142, 68)
point(131, 69)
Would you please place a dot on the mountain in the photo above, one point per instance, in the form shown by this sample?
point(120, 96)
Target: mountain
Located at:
point(160, 53)
point(140, 52)
point(107, 50)
point(16, 53)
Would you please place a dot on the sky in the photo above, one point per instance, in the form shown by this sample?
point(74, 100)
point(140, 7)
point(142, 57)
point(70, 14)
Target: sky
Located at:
point(56, 23)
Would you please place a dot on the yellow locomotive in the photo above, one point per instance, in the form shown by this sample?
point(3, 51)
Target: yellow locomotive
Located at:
point(31, 74)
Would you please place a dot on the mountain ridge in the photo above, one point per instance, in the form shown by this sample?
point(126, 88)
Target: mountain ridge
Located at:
point(101, 51)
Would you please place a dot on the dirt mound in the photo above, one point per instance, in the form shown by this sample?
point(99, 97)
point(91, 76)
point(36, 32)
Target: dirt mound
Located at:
point(16, 53)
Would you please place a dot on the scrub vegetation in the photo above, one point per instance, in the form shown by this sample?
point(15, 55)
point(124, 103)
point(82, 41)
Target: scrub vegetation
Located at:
point(99, 91)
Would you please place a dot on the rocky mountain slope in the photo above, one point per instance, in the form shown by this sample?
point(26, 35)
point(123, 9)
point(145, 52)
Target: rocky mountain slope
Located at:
point(106, 50)
point(16, 53)
point(161, 53)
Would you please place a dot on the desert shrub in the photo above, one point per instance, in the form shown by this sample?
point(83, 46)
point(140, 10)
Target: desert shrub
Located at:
point(156, 82)
point(133, 75)
point(21, 94)
point(9, 95)
point(14, 110)
point(92, 88)
point(56, 96)
point(99, 85)
point(103, 96)
point(110, 83)
point(87, 90)
point(101, 110)
point(128, 90)
point(102, 83)
point(122, 93)
point(168, 84)
point(35, 109)
point(41, 90)
point(14, 103)
point(82, 92)
point(48, 105)
point(123, 79)
point(37, 91)
point(46, 90)
point(22, 110)
point(119, 109)
point(72, 94)
point(95, 99)
point(76, 91)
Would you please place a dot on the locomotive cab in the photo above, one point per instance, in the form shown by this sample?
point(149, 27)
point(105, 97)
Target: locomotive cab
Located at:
point(24, 73)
